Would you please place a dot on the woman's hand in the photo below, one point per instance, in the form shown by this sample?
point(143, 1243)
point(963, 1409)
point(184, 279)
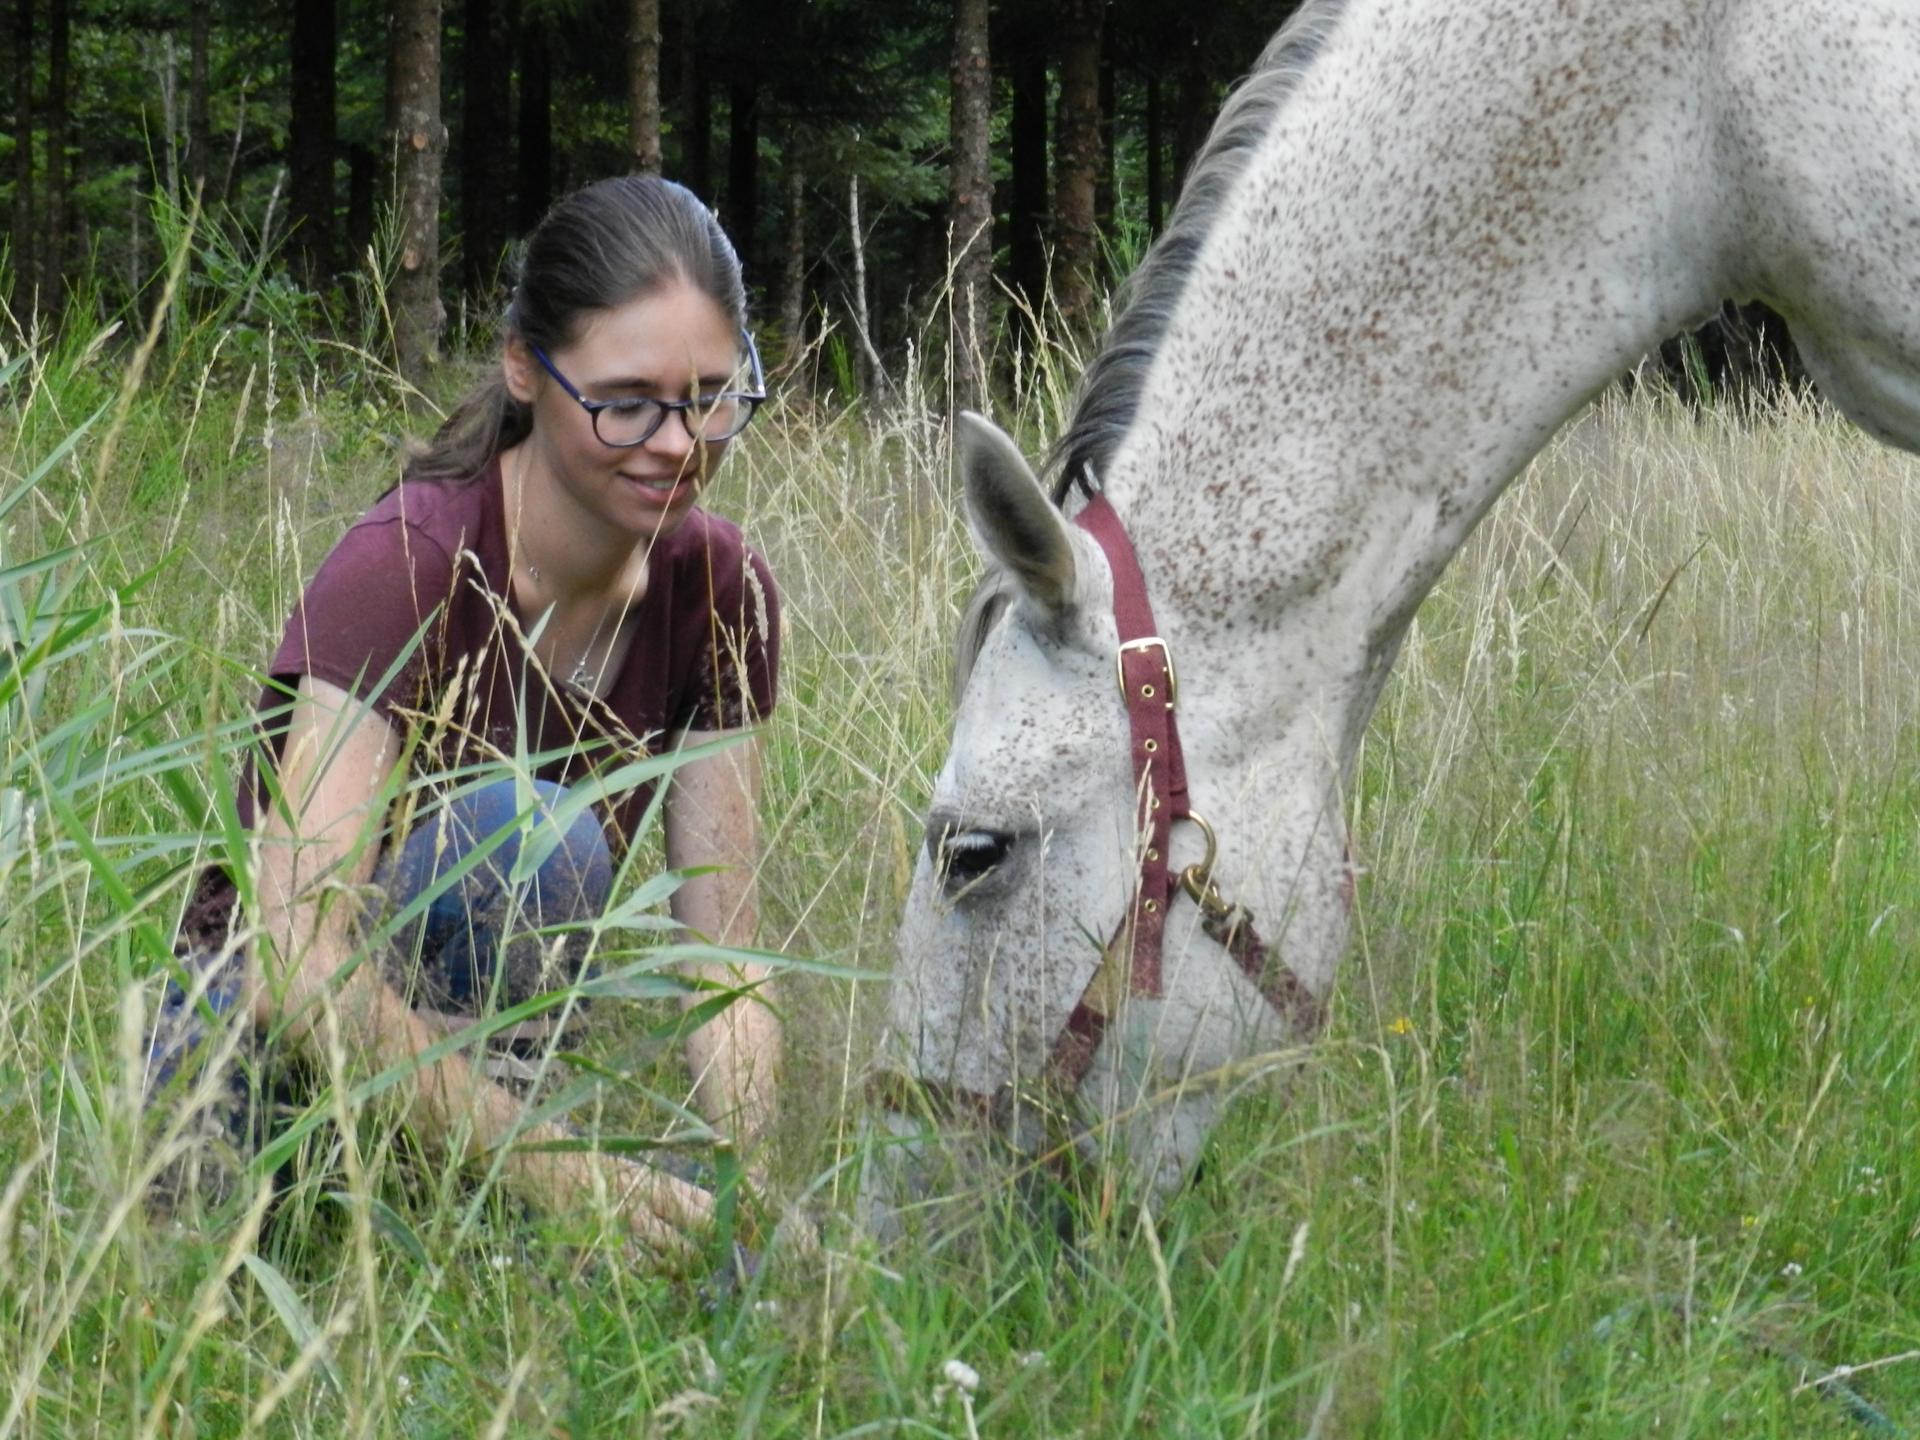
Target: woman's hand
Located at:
point(666, 1220)
point(339, 759)
point(768, 1223)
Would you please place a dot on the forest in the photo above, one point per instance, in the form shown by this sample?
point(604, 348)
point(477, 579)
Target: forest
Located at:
point(867, 155)
point(872, 158)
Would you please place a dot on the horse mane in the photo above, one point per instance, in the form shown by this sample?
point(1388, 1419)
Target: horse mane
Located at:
point(1109, 393)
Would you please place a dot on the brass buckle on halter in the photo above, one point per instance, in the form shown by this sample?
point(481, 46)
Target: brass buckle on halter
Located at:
point(1147, 642)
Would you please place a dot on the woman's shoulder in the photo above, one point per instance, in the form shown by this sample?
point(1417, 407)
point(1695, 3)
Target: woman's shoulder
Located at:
point(452, 513)
point(725, 614)
point(397, 567)
point(422, 525)
point(412, 542)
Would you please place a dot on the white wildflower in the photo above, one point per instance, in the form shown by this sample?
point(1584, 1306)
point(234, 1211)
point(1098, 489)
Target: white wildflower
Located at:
point(1296, 1252)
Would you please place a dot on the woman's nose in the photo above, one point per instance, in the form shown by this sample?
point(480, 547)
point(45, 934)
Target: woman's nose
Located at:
point(673, 438)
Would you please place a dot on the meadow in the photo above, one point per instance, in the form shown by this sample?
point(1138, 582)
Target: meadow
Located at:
point(1609, 1134)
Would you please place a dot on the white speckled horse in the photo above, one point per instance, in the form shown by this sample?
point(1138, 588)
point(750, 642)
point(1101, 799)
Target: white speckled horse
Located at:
point(1423, 234)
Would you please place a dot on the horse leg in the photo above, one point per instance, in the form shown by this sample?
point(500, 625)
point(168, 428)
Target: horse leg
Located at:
point(1874, 380)
point(1820, 97)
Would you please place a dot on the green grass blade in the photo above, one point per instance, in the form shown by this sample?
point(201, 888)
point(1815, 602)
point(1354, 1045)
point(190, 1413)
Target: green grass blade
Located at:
point(293, 1316)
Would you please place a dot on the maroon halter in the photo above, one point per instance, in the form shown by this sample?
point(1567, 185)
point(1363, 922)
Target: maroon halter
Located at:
point(1150, 686)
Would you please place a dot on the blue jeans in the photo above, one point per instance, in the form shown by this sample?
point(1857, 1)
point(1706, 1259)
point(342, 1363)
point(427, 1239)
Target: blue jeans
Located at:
point(473, 948)
point(469, 953)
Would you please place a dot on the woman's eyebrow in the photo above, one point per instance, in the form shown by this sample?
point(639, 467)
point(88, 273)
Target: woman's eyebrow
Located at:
point(707, 383)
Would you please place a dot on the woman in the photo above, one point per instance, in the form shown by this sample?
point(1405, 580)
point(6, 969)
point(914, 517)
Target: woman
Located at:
point(542, 584)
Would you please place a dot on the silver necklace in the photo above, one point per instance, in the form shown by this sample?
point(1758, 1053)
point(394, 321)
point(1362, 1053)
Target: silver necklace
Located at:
point(580, 677)
point(583, 678)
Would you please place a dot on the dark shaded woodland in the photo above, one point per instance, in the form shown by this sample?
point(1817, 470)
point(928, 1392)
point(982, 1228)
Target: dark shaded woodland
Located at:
point(873, 158)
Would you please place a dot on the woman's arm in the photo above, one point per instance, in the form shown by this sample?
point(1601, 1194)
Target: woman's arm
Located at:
point(712, 819)
point(334, 772)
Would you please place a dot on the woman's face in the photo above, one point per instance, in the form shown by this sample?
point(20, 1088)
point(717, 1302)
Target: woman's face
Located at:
point(670, 344)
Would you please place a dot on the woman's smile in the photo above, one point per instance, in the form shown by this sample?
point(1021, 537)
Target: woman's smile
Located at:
point(665, 490)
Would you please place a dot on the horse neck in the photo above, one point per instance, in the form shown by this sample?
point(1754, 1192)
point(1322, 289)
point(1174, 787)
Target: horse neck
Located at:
point(1433, 258)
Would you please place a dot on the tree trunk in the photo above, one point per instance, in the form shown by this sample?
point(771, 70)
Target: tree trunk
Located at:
point(970, 201)
point(199, 118)
point(696, 108)
point(1027, 240)
point(484, 118)
point(136, 207)
point(363, 180)
point(53, 259)
point(26, 285)
point(167, 72)
point(535, 123)
point(872, 373)
point(1156, 160)
point(793, 269)
point(310, 138)
point(1077, 160)
point(1193, 113)
point(419, 141)
point(1103, 192)
point(743, 166)
point(239, 134)
point(643, 87)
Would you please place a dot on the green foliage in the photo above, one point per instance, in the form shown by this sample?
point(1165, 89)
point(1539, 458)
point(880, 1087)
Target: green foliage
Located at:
point(839, 88)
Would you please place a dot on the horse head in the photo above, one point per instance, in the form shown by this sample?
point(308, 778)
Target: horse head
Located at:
point(1017, 1007)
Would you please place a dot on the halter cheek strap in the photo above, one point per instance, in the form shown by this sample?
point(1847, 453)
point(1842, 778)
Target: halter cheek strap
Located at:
point(1151, 689)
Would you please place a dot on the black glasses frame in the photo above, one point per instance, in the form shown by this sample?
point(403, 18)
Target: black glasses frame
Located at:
point(753, 400)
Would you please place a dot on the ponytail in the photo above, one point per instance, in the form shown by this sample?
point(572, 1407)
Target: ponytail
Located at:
point(485, 422)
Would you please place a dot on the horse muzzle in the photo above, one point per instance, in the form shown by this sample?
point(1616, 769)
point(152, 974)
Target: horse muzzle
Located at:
point(935, 1146)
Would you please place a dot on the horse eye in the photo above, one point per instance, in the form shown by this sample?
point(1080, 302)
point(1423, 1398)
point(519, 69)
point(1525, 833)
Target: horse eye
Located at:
point(965, 856)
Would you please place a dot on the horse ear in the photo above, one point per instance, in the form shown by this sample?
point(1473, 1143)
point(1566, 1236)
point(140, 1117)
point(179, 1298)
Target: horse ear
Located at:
point(1012, 518)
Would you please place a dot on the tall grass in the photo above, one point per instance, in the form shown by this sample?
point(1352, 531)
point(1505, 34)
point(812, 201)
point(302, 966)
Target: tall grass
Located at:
point(1609, 1136)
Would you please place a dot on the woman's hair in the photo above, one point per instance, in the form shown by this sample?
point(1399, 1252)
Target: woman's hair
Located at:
point(613, 241)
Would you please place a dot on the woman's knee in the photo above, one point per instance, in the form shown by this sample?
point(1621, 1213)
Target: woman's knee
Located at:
point(561, 863)
point(577, 873)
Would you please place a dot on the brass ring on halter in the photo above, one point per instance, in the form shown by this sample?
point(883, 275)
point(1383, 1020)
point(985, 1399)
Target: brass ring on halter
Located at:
point(1197, 879)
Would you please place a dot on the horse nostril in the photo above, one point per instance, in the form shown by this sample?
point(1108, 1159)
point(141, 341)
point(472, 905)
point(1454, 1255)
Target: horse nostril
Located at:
point(964, 856)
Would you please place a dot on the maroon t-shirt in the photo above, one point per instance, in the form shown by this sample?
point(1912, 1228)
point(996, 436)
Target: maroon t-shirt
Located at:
point(429, 560)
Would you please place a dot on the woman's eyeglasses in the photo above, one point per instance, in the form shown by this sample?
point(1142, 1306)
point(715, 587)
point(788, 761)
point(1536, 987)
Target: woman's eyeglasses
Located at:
point(709, 418)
